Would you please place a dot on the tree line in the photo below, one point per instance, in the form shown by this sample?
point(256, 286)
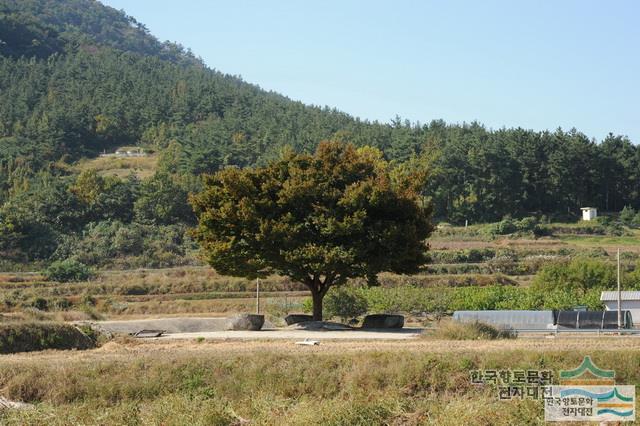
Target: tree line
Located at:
point(78, 78)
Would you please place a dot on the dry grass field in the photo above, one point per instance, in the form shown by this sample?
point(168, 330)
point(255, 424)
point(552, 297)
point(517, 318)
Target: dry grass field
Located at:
point(122, 167)
point(423, 381)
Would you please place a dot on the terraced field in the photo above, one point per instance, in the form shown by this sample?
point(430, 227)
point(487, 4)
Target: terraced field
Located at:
point(345, 381)
point(461, 257)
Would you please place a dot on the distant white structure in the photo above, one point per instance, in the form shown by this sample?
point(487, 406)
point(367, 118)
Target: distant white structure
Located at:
point(589, 213)
point(135, 152)
point(629, 301)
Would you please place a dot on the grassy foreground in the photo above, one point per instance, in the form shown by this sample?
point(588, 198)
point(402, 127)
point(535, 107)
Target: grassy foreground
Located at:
point(425, 382)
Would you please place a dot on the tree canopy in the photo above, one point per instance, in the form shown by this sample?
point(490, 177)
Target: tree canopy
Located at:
point(319, 219)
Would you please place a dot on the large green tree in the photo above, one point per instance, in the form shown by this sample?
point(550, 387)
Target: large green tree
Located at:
point(320, 219)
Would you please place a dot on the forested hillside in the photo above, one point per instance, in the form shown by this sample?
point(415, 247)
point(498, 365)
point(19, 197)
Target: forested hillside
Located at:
point(78, 78)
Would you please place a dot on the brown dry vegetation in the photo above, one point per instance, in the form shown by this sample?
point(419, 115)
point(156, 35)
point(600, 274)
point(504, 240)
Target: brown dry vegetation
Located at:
point(416, 382)
point(199, 291)
point(122, 167)
point(181, 291)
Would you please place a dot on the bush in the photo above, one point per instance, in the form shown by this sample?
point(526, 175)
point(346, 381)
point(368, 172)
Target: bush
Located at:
point(580, 274)
point(627, 215)
point(527, 224)
point(407, 299)
point(454, 330)
point(40, 303)
point(610, 227)
point(96, 336)
point(495, 297)
point(504, 227)
point(345, 303)
point(68, 270)
point(510, 226)
point(25, 337)
point(118, 245)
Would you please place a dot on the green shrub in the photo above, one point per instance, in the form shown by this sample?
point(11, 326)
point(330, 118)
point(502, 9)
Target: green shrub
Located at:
point(510, 226)
point(609, 226)
point(345, 303)
point(580, 274)
point(114, 244)
point(68, 270)
point(447, 299)
point(307, 305)
point(25, 337)
point(408, 299)
point(92, 333)
point(487, 298)
point(40, 303)
point(527, 224)
point(504, 227)
point(627, 215)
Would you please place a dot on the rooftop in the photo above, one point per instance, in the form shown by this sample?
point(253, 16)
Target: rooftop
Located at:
point(608, 296)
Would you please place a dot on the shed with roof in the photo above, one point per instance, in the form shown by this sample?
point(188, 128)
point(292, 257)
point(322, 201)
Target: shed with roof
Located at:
point(630, 301)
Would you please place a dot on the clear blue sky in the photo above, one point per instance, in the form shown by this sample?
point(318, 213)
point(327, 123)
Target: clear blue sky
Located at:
point(533, 64)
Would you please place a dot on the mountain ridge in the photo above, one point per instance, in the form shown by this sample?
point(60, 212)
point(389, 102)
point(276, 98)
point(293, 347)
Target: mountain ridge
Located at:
point(78, 78)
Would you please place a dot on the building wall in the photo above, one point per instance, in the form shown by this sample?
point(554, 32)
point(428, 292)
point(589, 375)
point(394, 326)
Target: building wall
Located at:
point(589, 214)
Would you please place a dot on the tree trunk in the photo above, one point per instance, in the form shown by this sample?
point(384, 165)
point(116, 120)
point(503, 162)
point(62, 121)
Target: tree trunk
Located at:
point(317, 297)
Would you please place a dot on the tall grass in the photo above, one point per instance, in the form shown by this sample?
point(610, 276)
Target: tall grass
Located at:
point(276, 386)
point(469, 331)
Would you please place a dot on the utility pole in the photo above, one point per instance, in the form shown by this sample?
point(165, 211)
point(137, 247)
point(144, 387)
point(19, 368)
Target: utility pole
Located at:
point(619, 295)
point(257, 296)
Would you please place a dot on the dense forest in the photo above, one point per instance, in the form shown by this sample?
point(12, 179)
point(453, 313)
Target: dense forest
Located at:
point(78, 78)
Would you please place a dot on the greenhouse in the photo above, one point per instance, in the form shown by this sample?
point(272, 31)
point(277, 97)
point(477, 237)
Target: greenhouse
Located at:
point(516, 320)
point(593, 319)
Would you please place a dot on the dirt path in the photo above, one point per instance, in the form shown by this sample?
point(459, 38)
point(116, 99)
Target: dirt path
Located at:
point(170, 348)
point(169, 325)
point(298, 335)
point(186, 328)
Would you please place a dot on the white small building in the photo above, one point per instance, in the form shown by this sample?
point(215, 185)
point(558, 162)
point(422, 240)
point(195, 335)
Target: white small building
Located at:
point(589, 213)
point(629, 301)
